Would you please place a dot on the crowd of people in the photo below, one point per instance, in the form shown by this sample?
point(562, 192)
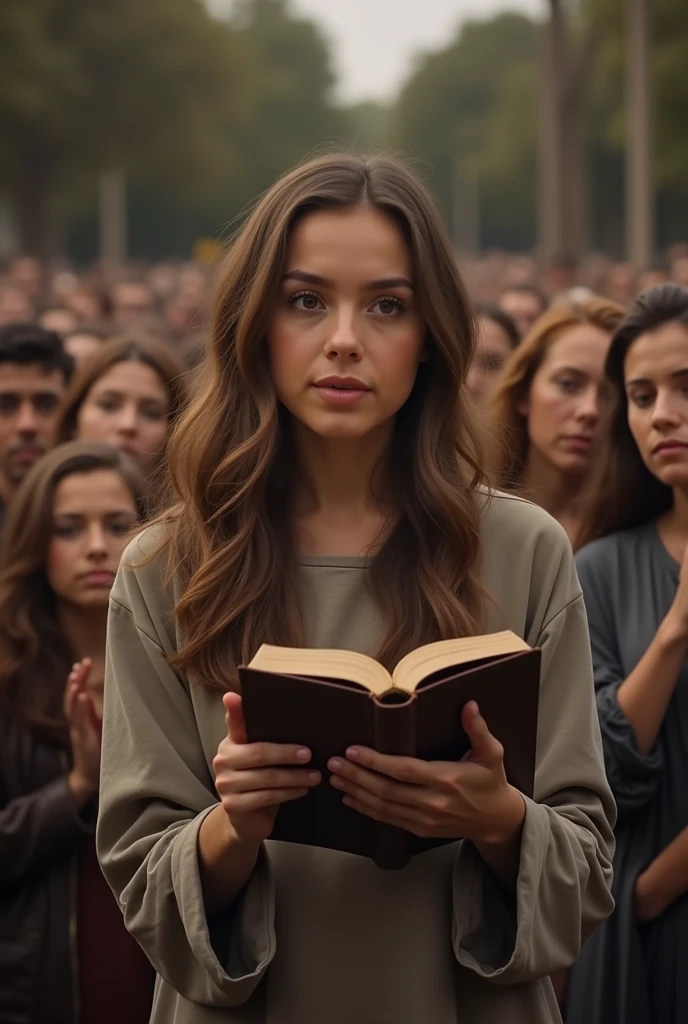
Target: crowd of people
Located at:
point(482, 443)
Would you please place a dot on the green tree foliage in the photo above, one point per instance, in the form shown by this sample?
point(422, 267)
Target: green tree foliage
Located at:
point(469, 110)
point(89, 84)
point(607, 113)
point(286, 94)
point(201, 112)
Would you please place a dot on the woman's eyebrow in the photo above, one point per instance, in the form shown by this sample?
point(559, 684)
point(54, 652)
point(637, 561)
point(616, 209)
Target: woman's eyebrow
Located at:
point(305, 277)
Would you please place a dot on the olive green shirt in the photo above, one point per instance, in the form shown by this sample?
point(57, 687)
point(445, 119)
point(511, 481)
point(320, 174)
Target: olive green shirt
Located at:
point(320, 937)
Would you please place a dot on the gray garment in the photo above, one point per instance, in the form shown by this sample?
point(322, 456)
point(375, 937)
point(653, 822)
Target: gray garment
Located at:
point(630, 973)
point(321, 937)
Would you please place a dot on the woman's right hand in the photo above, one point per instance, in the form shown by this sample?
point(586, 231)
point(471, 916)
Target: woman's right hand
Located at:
point(253, 779)
point(84, 733)
point(677, 616)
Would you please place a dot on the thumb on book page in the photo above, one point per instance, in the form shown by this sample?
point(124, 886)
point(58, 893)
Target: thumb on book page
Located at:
point(234, 718)
point(485, 749)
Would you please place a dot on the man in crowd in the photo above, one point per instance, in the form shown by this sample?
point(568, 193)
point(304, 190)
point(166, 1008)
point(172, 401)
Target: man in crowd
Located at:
point(34, 373)
point(524, 303)
point(131, 300)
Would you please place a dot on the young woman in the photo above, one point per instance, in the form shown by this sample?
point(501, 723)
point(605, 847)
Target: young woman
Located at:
point(549, 403)
point(329, 493)
point(496, 339)
point(64, 953)
point(127, 395)
point(635, 581)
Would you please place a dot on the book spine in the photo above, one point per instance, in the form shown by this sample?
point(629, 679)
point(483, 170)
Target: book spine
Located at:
point(395, 733)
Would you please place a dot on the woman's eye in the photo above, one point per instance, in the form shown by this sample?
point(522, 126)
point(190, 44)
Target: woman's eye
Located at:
point(306, 301)
point(568, 385)
point(492, 362)
point(641, 399)
point(108, 405)
point(120, 529)
point(388, 306)
point(152, 413)
point(66, 531)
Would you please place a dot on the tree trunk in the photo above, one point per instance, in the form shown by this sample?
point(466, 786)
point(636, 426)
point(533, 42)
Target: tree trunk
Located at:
point(552, 155)
point(32, 205)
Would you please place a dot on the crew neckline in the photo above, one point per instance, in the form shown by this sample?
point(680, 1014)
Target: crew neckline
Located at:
point(333, 561)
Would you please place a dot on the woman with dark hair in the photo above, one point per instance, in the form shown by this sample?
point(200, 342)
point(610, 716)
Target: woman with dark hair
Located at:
point(635, 583)
point(548, 405)
point(496, 339)
point(329, 492)
point(64, 953)
point(129, 395)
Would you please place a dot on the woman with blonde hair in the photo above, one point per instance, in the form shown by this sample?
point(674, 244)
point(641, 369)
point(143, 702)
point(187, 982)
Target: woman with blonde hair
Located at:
point(548, 407)
point(329, 492)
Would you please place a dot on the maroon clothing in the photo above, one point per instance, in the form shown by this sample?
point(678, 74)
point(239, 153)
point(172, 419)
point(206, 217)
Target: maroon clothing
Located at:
point(115, 978)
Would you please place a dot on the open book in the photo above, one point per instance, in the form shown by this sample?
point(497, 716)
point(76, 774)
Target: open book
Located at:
point(330, 699)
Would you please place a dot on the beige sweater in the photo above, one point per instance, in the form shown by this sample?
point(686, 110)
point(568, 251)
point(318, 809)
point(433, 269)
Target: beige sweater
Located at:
point(320, 937)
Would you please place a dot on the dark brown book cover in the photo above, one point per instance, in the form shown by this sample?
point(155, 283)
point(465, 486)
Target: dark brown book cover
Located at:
point(328, 717)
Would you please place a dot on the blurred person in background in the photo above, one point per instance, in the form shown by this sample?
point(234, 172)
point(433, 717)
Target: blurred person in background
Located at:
point(560, 275)
point(15, 305)
point(130, 300)
point(34, 373)
point(634, 577)
point(128, 395)
point(524, 303)
point(621, 283)
point(83, 342)
point(87, 304)
point(679, 271)
point(496, 338)
point(549, 403)
point(650, 277)
point(59, 319)
point(65, 955)
point(27, 274)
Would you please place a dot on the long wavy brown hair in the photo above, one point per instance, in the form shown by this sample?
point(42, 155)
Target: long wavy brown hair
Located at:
point(623, 493)
point(510, 426)
point(34, 656)
point(227, 529)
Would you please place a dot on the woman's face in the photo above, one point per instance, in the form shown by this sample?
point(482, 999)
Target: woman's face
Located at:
point(567, 397)
point(92, 516)
point(493, 348)
point(346, 337)
point(656, 381)
point(127, 408)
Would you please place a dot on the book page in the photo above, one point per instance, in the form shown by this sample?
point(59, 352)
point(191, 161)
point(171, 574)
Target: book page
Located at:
point(324, 663)
point(444, 654)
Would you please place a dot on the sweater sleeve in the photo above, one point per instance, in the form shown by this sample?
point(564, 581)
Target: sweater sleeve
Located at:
point(563, 886)
point(633, 776)
point(156, 788)
point(38, 827)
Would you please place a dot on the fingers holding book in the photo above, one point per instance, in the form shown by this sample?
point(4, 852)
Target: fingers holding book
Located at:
point(469, 799)
point(253, 779)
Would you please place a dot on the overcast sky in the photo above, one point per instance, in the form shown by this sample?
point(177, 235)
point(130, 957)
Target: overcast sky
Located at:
point(374, 41)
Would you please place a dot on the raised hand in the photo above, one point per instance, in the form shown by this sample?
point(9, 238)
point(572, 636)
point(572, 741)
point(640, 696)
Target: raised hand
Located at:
point(468, 799)
point(678, 613)
point(84, 733)
point(253, 779)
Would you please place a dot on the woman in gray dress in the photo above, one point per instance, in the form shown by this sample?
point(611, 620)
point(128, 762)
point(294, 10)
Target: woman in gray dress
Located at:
point(635, 584)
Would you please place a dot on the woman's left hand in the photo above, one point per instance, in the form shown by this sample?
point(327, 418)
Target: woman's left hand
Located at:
point(468, 799)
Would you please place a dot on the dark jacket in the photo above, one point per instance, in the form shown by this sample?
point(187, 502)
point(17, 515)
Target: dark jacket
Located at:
point(40, 830)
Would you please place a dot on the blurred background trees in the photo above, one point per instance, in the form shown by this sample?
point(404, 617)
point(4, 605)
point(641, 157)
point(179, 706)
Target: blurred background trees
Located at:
point(199, 110)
